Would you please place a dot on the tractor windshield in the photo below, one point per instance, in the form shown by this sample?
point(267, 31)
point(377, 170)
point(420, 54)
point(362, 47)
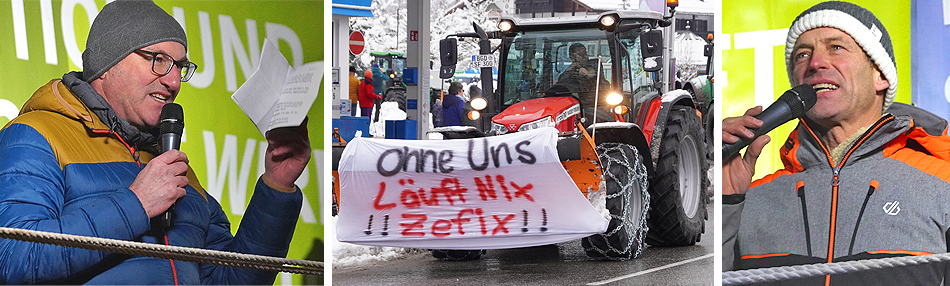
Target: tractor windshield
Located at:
point(391, 62)
point(576, 62)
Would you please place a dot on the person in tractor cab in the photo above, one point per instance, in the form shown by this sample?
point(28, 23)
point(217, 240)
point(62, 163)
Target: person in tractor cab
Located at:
point(581, 75)
point(581, 78)
point(844, 192)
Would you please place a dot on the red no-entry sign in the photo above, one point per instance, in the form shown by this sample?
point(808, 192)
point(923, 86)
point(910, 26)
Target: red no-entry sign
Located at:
point(356, 43)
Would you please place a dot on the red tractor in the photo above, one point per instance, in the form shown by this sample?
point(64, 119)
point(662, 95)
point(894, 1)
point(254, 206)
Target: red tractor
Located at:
point(631, 147)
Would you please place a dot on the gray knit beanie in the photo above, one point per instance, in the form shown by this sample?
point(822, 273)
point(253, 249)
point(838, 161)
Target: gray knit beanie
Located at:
point(856, 21)
point(122, 27)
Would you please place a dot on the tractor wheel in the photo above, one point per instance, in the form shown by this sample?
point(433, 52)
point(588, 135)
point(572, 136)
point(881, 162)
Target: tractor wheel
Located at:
point(627, 200)
point(397, 95)
point(710, 152)
point(709, 127)
point(457, 255)
point(678, 194)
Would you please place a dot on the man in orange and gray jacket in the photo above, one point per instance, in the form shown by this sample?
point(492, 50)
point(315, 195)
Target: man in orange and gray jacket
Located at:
point(864, 177)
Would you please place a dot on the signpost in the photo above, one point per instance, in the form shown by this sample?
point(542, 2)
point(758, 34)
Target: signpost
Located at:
point(356, 43)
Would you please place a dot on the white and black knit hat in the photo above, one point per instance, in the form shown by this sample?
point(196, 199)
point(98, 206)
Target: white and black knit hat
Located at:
point(856, 21)
point(122, 27)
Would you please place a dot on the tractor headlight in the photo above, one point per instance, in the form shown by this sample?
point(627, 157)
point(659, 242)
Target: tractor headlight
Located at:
point(608, 20)
point(543, 122)
point(498, 128)
point(505, 25)
point(479, 103)
point(614, 98)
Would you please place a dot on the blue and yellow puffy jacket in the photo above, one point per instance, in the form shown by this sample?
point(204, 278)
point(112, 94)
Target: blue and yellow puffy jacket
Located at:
point(62, 170)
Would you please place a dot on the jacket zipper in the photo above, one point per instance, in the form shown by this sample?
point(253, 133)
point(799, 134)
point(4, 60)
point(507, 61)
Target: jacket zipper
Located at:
point(836, 180)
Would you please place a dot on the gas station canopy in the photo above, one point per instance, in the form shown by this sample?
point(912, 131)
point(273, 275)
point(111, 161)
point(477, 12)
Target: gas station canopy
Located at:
point(353, 8)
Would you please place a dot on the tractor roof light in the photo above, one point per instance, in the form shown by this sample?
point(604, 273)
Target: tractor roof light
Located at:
point(505, 25)
point(474, 115)
point(614, 98)
point(479, 103)
point(608, 20)
point(672, 3)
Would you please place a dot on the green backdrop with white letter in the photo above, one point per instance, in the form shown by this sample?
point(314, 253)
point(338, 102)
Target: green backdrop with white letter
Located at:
point(753, 57)
point(44, 39)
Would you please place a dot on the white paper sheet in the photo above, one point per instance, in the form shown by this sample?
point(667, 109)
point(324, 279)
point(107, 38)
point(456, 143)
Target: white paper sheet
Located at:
point(276, 94)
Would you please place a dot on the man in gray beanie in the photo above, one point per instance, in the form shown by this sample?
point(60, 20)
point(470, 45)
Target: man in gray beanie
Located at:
point(82, 158)
point(863, 177)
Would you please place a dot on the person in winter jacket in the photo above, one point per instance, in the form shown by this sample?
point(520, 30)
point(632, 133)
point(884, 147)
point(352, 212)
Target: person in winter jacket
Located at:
point(82, 158)
point(863, 177)
point(354, 91)
point(435, 101)
point(453, 106)
point(367, 95)
point(379, 79)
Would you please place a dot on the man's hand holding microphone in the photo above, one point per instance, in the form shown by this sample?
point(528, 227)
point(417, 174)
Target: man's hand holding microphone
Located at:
point(750, 129)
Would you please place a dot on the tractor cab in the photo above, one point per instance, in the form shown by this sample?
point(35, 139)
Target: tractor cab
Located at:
point(392, 64)
point(608, 64)
point(599, 66)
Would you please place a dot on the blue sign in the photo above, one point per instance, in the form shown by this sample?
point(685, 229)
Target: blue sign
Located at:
point(930, 56)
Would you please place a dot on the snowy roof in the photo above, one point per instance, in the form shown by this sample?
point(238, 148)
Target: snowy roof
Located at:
point(696, 6)
point(356, 8)
point(602, 5)
point(582, 19)
point(689, 6)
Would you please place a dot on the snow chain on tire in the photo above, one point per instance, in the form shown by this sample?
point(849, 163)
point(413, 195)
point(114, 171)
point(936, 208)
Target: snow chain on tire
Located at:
point(626, 176)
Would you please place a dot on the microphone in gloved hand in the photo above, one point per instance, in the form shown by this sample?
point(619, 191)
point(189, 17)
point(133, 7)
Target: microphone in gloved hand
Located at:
point(792, 104)
point(171, 124)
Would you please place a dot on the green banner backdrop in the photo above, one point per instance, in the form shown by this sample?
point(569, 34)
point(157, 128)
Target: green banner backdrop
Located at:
point(753, 57)
point(42, 40)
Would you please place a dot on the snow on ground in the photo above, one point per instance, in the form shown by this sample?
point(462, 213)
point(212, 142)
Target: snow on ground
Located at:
point(350, 255)
point(389, 110)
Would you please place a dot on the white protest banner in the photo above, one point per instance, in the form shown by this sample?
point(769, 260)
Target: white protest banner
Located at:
point(495, 192)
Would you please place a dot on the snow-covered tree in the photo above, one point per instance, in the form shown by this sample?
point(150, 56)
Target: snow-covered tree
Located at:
point(458, 18)
point(382, 33)
point(386, 31)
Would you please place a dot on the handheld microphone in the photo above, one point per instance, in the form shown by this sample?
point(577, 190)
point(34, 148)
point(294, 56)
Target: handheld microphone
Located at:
point(171, 124)
point(792, 104)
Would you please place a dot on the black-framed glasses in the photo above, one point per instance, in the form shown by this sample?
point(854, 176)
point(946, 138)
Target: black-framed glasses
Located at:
point(162, 64)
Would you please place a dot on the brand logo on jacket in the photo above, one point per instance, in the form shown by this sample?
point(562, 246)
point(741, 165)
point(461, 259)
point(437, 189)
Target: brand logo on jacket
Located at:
point(892, 208)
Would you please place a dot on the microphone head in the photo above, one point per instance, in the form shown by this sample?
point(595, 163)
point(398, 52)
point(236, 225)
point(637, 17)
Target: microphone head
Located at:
point(172, 119)
point(800, 99)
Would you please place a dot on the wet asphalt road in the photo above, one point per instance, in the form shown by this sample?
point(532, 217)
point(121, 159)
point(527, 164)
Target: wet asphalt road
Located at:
point(561, 264)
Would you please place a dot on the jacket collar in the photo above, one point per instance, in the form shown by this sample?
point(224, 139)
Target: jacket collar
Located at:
point(803, 149)
point(95, 103)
